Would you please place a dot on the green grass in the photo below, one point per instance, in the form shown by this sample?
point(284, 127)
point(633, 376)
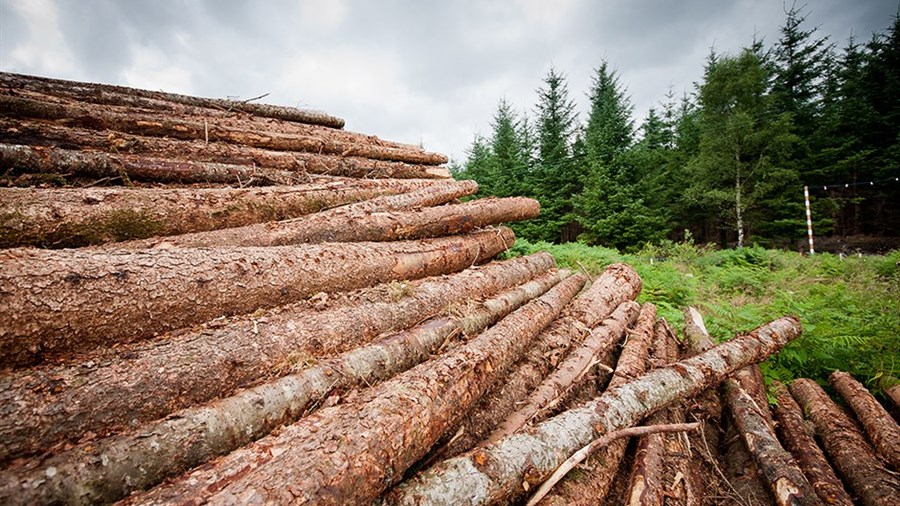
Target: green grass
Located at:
point(850, 307)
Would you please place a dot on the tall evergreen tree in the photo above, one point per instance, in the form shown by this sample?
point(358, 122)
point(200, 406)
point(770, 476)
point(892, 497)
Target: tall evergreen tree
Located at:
point(508, 164)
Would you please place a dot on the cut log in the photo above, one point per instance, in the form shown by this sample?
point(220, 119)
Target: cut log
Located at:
point(617, 284)
point(107, 94)
point(17, 159)
point(58, 301)
point(497, 472)
point(66, 218)
point(891, 387)
point(555, 387)
point(145, 381)
point(882, 430)
point(356, 223)
point(23, 131)
point(107, 470)
point(146, 124)
point(370, 442)
point(850, 453)
point(798, 439)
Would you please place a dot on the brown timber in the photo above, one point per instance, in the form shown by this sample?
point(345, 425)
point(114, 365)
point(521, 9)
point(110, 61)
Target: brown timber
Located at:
point(369, 443)
point(850, 453)
point(882, 430)
point(798, 439)
point(142, 382)
point(496, 473)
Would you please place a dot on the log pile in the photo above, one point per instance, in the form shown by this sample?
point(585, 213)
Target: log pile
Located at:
point(225, 302)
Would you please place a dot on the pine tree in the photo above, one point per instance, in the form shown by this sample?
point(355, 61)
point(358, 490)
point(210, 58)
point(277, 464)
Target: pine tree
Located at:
point(508, 164)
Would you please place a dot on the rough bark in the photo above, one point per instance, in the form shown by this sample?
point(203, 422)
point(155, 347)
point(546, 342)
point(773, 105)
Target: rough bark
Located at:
point(185, 129)
point(498, 471)
point(106, 94)
point(891, 387)
point(617, 284)
point(17, 159)
point(850, 453)
point(351, 224)
point(66, 218)
point(558, 383)
point(371, 442)
point(882, 430)
point(105, 394)
point(798, 439)
point(109, 469)
point(23, 131)
point(55, 302)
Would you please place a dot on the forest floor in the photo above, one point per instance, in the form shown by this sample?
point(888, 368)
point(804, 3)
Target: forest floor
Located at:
point(849, 306)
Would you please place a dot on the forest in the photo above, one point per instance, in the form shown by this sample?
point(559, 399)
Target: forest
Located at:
point(725, 163)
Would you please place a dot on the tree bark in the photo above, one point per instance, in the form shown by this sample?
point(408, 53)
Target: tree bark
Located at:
point(891, 387)
point(497, 472)
point(106, 393)
point(17, 159)
point(106, 94)
point(67, 218)
point(617, 284)
point(107, 470)
point(352, 224)
point(24, 131)
point(160, 126)
point(371, 442)
point(882, 430)
point(849, 451)
point(798, 439)
point(56, 302)
point(556, 385)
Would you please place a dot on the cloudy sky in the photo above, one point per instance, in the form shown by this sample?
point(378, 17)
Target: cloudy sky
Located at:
point(417, 71)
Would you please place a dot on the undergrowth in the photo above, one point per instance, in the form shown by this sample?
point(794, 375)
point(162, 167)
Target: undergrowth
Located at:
point(850, 307)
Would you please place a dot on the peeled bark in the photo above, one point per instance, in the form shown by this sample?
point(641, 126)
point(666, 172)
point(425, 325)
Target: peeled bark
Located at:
point(850, 453)
point(120, 95)
point(17, 159)
point(882, 430)
point(497, 472)
point(349, 224)
point(109, 469)
point(67, 217)
point(184, 129)
point(370, 442)
point(105, 394)
point(617, 284)
point(798, 439)
point(58, 301)
point(24, 131)
point(555, 386)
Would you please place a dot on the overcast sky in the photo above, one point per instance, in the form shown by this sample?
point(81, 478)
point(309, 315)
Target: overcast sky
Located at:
point(417, 71)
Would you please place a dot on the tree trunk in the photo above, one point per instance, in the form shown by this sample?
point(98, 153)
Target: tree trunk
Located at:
point(849, 451)
point(146, 381)
point(67, 217)
point(798, 439)
point(558, 383)
point(498, 471)
point(107, 94)
point(49, 160)
point(877, 422)
point(369, 443)
point(56, 302)
point(142, 458)
point(350, 224)
point(161, 126)
point(617, 284)
point(23, 131)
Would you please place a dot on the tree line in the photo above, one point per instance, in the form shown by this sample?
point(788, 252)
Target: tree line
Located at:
point(725, 163)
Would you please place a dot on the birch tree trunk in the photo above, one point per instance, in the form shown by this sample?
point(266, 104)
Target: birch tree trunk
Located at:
point(877, 422)
point(497, 472)
point(107, 393)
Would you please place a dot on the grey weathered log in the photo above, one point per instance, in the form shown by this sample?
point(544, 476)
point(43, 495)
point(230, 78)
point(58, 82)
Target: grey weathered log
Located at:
point(107, 470)
point(369, 443)
point(883, 431)
point(141, 382)
point(497, 472)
